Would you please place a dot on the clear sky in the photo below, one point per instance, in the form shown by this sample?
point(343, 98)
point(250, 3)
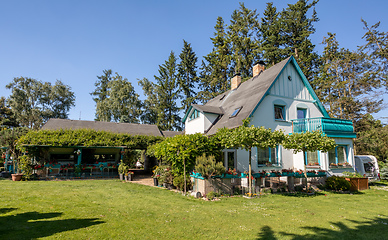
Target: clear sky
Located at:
point(75, 40)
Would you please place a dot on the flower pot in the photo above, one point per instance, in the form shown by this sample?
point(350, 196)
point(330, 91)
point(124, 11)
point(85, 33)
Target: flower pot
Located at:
point(121, 176)
point(156, 182)
point(126, 178)
point(16, 177)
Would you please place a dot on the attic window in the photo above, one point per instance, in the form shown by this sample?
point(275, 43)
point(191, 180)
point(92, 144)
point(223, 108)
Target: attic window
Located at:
point(235, 112)
point(194, 114)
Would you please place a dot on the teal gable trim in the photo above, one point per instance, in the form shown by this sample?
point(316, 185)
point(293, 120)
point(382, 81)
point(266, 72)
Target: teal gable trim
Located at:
point(187, 114)
point(305, 82)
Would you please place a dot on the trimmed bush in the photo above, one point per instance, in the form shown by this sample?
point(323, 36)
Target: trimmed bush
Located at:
point(337, 183)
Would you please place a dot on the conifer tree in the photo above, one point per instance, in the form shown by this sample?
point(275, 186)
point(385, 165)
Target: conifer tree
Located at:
point(243, 37)
point(168, 94)
point(296, 30)
point(271, 41)
point(214, 71)
point(187, 75)
point(100, 94)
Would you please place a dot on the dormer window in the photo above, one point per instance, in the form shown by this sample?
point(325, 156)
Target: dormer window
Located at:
point(235, 112)
point(194, 114)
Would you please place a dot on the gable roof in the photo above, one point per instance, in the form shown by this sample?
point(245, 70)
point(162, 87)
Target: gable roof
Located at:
point(250, 94)
point(128, 128)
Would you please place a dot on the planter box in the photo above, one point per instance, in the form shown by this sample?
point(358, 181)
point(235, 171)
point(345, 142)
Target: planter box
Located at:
point(357, 184)
point(204, 186)
point(16, 177)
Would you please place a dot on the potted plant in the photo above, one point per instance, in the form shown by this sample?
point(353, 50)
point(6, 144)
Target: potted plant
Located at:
point(357, 181)
point(128, 176)
point(122, 169)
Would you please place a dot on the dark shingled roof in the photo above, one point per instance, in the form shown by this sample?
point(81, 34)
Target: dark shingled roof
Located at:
point(247, 96)
point(208, 109)
point(129, 128)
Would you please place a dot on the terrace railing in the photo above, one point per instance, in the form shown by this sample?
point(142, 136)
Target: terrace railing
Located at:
point(332, 127)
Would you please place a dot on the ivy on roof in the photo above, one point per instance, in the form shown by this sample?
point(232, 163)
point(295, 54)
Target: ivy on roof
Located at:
point(87, 138)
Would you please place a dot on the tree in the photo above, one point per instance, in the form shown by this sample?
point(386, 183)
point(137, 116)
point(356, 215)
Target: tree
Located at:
point(296, 30)
point(149, 106)
point(101, 93)
point(34, 102)
point(246, 138)
point(270, 32)
point(168, 93)
point(9, 139)
point(187, 75)
point(7, 118)
point(214, 72)
point(347, 82)
point(242, 35)
point(123, 102)
point(309, 141)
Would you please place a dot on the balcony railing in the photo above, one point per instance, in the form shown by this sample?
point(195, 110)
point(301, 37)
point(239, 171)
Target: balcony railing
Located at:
point(330, 126)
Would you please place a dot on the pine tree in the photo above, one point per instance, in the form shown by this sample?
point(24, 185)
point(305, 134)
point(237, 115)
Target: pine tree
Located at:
point(168, 94)
point(271, 41)
point(214, 71)
point(296, 30)
point(187, 75)
point(243, 36)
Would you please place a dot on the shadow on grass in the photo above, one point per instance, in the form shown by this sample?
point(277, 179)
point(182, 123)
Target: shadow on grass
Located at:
point(32, 225)
point(302, 194)
point(372, 228)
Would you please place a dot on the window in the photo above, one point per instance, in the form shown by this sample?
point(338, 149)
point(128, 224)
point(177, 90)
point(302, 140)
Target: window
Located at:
point(194, 115)
point(312, 158)
point(267, 157)
point(279, 113)
point(338, 156)
point(301, 113)
point(235, 112)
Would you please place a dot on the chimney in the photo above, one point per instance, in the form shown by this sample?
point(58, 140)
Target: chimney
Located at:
point(236, 81)
point(258, 68)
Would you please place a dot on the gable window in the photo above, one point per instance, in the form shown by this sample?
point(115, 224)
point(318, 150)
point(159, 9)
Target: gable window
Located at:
point(312, 159)
point(280, 112)
point(267, 157)
point(194, 114)
point(338, 156)
point(235, 112)
point(301, 113)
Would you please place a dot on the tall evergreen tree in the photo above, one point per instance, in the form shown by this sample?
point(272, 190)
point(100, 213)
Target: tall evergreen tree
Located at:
point(100, 94)
point(243, 36)
point(347, 82)
point(168, 94)
point(296, 30)
point(270, 32)
point(149, 105)
point(187, 75)
point(7, 117)
point(214, 71)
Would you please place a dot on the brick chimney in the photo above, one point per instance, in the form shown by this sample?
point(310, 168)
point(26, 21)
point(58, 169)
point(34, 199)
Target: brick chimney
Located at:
point(258, 68)
point(236, 81)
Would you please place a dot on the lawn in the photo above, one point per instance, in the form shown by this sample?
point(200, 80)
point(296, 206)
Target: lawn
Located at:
point(110, 209)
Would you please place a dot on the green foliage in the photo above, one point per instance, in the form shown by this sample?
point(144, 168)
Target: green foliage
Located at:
point(25, 165)
point(7, 117)
point(123, 168)
point(168, 93)
point(176, 149)
point(187, 75)
point(116, 99)
point(337, 183)
point(208, 166)
point(212, 195)
point(149, 106)
point(309, 141)
point(86, 137)
point(179, 182)
point(33, 102)
point(352, 175)
point(9, 139)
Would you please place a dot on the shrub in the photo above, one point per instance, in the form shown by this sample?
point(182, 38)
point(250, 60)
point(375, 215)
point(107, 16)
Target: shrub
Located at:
point(179, 182)
point(123, 168)
point(25, 165)
point(207, 166)
point(384, 173)
point(337, 183)
point(211, 195)
point(352, 175)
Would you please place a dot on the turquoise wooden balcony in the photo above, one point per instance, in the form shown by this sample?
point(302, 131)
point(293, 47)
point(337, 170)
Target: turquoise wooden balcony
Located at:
point(330, 126)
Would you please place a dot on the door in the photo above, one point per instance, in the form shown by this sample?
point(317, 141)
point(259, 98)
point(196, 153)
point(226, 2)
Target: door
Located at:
point(230, 160)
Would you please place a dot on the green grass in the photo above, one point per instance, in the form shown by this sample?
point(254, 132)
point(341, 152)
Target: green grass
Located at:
point(110, 209)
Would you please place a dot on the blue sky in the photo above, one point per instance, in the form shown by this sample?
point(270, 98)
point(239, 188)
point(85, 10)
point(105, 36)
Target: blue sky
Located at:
point(74, 41)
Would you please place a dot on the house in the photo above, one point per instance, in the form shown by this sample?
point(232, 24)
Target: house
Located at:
point(279, 97)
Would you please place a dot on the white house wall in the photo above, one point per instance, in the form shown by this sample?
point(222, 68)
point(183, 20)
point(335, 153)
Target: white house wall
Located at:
point(195, 125)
